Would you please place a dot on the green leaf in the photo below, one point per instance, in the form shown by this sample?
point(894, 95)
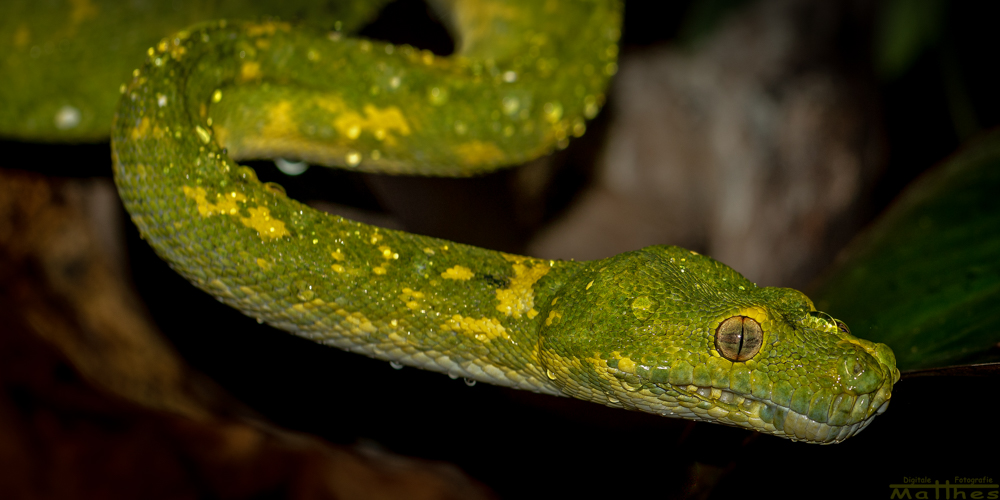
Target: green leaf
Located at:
point(904, 29)
point(925, 277)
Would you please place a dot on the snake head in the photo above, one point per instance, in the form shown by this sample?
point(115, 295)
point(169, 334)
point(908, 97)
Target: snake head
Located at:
point(667, 331)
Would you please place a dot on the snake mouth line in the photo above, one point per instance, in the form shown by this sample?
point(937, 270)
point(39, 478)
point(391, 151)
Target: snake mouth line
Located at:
point(799, 427)
point(728, 408)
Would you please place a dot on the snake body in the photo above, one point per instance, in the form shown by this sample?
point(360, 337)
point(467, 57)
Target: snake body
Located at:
point(662, 329)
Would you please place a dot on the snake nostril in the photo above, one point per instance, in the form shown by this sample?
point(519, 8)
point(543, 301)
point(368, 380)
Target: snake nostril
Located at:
point(859, 372)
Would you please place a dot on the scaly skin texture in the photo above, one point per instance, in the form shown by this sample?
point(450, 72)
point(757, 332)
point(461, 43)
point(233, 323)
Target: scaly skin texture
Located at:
point(635, 331)
point(62, 60)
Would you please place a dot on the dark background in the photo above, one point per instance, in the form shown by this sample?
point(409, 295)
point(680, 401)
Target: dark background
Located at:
point(525, 445)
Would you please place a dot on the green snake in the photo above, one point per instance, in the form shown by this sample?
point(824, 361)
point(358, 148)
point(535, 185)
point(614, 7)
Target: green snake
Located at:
point(662, 330)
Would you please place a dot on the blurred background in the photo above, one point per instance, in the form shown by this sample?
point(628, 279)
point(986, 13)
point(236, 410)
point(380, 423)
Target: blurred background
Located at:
point(765, 133)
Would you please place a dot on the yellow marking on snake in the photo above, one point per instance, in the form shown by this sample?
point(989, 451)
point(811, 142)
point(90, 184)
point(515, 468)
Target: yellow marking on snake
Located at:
point(223, 205)
point(519, 297)
point(626, 365)
point(260, 217)
point(267, 28)
point(553, 316)
point(478, 152)
point(281, 123)
point(387, 253)
point(458, 273)
point(250, 70)
point(411, 298)
point(203, 134)
point(140, 130)
point(758, 314)
point(482, 329)
point(268, 227)
point(380, 122)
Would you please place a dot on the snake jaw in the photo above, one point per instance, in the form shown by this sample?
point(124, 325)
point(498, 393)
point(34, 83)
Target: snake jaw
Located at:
point(728, 408)
point(846, 412)
point(845, 416)
point(869, 402)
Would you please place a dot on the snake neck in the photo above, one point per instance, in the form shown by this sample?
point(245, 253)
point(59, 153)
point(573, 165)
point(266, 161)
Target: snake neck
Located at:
point(488, 331)
point(231, 90)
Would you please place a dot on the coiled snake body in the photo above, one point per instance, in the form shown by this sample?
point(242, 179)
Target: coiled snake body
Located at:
point(662, 329)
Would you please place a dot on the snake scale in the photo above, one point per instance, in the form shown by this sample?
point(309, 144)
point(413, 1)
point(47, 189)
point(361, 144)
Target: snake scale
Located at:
point(662, 329)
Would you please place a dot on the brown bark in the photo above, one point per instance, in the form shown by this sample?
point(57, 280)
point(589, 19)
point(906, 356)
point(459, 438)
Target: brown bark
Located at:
point(94, 403)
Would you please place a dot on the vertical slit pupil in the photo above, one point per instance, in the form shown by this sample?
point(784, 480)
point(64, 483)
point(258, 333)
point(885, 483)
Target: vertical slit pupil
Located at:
point(738, 338)
point(742, 336)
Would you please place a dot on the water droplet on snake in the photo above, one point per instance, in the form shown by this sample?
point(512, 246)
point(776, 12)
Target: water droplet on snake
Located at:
point(438, 96)
point(67, 117)
point(631, 387)
point(511, 105)
point(353, 158)
point(553, 111)
point(275, 188)
point(291, 167)
point(246, 174)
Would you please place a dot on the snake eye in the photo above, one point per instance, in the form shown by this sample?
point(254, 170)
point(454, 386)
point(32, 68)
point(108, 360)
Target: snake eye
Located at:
point(739, 338)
